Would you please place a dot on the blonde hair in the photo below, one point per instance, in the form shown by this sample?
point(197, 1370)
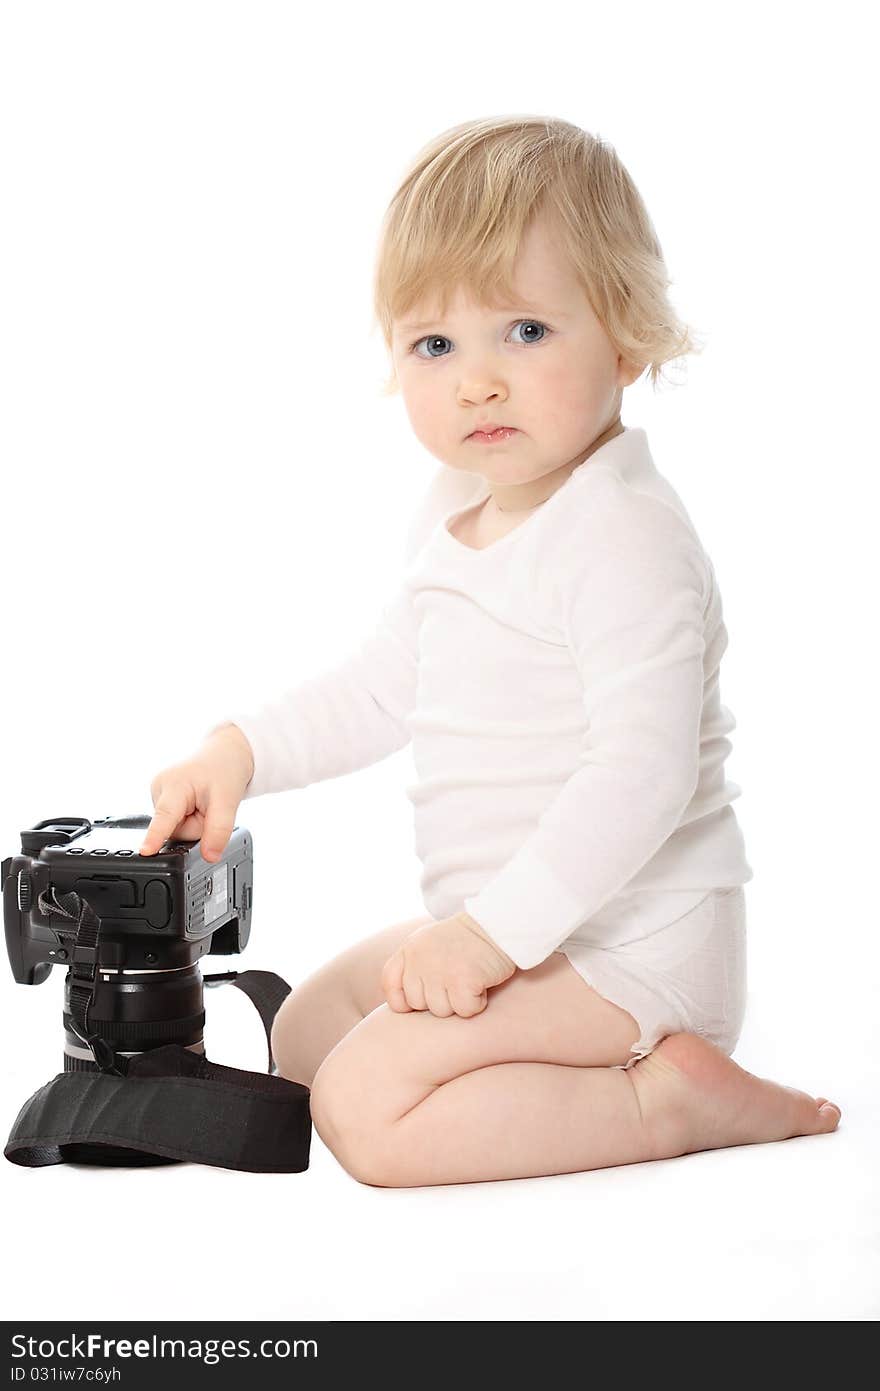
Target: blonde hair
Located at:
point(459, 215)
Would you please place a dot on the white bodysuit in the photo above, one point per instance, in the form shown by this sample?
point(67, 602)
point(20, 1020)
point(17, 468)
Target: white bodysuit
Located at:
point(561, 690)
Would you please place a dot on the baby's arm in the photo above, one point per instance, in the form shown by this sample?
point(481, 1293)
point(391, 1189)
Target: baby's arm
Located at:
point(347, 717)
point(633, 592)
point(355, 713)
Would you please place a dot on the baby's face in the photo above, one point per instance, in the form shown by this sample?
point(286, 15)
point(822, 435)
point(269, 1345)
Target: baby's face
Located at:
point(544, 365)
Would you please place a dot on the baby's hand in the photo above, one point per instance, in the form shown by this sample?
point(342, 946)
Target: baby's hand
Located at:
point(446, 967)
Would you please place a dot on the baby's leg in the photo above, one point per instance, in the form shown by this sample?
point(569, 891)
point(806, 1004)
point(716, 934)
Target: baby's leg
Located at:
point(533, 1085)
point(327, 1004)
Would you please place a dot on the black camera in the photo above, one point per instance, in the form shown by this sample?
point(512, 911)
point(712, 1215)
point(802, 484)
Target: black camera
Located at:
point(137, 974)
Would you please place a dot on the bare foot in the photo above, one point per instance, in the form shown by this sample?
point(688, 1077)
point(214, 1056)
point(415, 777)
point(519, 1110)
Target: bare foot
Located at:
point(694, 1097)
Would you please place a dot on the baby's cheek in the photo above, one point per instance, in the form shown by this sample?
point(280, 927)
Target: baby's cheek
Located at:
point(578, 389)
point(421, 408)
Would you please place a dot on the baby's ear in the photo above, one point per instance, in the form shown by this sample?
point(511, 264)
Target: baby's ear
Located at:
point(631, 371)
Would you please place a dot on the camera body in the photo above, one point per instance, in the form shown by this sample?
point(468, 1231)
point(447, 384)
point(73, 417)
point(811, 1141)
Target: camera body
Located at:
point(165, 910)
point(158, 914)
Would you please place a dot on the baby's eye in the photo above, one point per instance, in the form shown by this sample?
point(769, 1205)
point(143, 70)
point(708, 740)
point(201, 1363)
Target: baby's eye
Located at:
point(533, 323)
point(433, 339)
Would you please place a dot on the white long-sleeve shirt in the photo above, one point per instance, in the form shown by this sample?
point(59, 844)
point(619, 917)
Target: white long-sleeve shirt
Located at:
point(561, 690)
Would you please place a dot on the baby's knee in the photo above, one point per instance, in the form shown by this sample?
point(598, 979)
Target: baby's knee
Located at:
point(282, 1041)
point(341, 1117)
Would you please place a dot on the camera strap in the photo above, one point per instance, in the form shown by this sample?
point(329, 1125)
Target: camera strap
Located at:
point(166, 1104)
point(83, 970)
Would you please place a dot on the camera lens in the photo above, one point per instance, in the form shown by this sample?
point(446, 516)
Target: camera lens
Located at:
point(138, 1010)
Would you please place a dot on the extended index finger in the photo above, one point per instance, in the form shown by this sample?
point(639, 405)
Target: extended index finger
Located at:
point(164, 822)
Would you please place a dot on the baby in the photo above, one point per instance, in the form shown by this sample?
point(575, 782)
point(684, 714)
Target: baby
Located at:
point(572, 997)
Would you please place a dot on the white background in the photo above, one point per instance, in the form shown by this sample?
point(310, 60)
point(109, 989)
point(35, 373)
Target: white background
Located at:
point(205, 497)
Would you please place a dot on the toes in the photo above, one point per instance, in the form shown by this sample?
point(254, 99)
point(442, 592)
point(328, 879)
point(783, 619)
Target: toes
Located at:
point(829, 1113)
